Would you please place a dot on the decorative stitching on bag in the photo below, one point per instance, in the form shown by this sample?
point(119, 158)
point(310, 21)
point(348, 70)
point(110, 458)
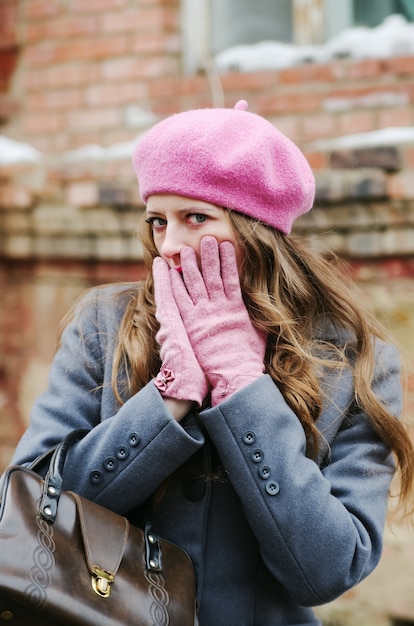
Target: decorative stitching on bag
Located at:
point(161, 599)
point(43, 557)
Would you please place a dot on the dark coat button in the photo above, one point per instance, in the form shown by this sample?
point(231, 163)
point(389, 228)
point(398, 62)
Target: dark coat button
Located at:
point(95, 477)
point(249, 437)
point(110, 464)
point(122, 453)
point(194, 489)
point(264, 472)
point(134, 440)
point(257, 455)
point(272, 487)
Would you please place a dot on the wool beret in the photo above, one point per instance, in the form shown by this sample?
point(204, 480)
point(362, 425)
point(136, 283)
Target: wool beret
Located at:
point(229, 157)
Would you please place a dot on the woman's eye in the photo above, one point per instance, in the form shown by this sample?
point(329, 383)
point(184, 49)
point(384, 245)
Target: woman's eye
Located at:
point(197, 218)
point(156, 222)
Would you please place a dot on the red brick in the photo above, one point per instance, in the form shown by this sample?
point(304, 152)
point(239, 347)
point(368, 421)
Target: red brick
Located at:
point(100, 118)
point(318, 126)
point(401, 185)
point(15, 197)
point(42, 141)
point(171, 19)
point(8, 25)
point(8, 107)
point(63, 99)
point(50, 52)
point(156, 67)
point(151, 43)
point(288, 125)
point(139, 68)
point(306, 73)
point(53, 144)
point(395, 117)
point(97, 48)
point(410, 91)
point(120, 136)
point(61, 28)
point(82, 138)
point(82, 194)
point(191, 85)
point(410, 382)
point(34, 80)
point(170, 87)
point(346, 99)
point(409, 157)
point(169, 107)
point(344, 91)
point(340, 69)
point(249, 80)
point(107, 94)
point(317, 160)
point(39, 54)
point(142, 20)
point(42, 123)
point(71, 74)
point(97, 6)
point(401, 65)
point(368, 68)
point(61, 75)
point(356, 122)
point(36, 9)
point(121, 69)
point(167, 87)
point(34, 31)
point(289, 102)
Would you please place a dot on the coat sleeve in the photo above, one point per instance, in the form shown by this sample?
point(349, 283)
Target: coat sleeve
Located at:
point(319, 530)
point(129, 450)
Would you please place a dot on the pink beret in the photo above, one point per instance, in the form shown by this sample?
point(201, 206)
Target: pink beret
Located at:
point(229, 157)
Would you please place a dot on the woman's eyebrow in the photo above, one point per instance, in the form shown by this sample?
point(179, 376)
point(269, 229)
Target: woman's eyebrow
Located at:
point(197, 209)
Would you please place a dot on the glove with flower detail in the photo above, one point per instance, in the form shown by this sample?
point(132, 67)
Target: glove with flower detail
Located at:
point(227, 346)
point(180, 377)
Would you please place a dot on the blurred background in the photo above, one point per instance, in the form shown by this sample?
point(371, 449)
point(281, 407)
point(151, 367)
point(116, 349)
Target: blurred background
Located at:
point(81, 80)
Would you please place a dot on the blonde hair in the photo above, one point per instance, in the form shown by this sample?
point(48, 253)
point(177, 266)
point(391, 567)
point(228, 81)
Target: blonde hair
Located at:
point(291, 293)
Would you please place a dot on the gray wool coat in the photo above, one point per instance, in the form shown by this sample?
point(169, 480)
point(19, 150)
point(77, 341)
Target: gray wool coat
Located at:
point(275, 533)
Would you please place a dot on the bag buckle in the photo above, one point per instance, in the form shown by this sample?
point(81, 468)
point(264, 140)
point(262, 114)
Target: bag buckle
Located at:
point(101, 582)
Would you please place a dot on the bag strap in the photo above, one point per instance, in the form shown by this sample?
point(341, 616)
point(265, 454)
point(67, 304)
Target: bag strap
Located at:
point(52, 486)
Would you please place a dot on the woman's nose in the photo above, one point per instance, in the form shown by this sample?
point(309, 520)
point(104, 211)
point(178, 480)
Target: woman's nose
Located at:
point(172, 244)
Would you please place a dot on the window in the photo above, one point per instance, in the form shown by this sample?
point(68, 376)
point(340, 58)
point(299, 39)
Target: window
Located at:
point(236, 22)
point(211, 26)
point(373, 12)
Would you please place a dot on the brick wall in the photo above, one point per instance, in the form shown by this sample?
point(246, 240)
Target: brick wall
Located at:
point(35, 296)
point(86, 69)
point(85, 66)
point(8, 55)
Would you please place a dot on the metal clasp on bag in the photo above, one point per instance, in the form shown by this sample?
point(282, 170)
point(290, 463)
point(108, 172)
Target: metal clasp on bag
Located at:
point(101, 582)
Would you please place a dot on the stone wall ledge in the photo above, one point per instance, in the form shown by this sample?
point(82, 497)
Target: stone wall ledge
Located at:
point(353, 229)
point(50, 231)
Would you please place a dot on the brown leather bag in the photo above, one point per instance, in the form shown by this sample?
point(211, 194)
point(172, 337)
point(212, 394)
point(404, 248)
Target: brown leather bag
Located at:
point(67, 561)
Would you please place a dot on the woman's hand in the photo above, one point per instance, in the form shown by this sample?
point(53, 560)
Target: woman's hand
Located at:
point(227, 345)
point(180, 377)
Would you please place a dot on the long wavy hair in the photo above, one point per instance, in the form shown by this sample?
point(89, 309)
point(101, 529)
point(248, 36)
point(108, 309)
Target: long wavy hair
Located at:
point(291, 293)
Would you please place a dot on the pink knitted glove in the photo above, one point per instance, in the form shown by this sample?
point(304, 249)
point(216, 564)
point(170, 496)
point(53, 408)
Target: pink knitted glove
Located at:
point(227, 345)
point(180, 377)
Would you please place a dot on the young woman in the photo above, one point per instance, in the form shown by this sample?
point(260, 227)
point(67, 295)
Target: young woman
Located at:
point(240, 387)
